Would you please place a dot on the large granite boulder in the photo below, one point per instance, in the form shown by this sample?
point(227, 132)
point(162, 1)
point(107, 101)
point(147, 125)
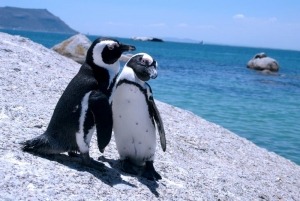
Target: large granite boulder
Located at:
point(262, 62)
point(74, 47)
point(203, 161)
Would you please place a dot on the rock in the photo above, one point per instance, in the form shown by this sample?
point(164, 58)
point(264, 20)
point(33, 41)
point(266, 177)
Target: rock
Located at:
point(147, 39)
point(75, 47)
point(125, 57)
point(264, 63)
point(203, 161)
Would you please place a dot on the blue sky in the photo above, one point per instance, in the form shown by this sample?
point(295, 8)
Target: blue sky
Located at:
point(274, 24)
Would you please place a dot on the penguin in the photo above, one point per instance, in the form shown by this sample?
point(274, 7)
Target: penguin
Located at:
point(84, 106)
point(136, 117)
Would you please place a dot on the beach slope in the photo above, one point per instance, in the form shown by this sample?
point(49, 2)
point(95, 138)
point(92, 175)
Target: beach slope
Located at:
point(203, 161)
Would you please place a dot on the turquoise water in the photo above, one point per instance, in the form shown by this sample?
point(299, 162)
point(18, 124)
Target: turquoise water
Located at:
point(213, 82)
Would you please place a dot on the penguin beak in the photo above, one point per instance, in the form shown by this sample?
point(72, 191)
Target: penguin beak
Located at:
point(153, 73)
point(152, 70)
point(125, 48)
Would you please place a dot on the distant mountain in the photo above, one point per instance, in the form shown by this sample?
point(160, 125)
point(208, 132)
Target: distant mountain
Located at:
point(32, 20)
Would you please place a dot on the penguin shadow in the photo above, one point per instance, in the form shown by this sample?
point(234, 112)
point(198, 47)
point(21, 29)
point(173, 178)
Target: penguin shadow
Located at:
point(108, 176)
point(116, 164)
point(152, 185)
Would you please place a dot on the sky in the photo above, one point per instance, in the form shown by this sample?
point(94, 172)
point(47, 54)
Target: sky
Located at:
point(252, 23)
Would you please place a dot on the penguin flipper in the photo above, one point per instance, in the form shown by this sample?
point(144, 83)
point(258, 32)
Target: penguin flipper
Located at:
point(159, 123)
point(101, 109)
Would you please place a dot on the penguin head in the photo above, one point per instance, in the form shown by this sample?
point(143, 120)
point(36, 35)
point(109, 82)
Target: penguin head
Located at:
point(105, 51)
point(144, 66)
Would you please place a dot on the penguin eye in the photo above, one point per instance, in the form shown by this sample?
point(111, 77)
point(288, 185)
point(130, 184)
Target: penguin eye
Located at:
point(111, 47)
point(143, 62)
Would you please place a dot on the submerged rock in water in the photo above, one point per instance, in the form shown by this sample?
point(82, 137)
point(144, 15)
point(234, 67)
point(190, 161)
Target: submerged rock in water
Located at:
point(147, 39)
point(264, 63)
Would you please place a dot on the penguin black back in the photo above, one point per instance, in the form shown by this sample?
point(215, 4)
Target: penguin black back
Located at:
point(84, 105)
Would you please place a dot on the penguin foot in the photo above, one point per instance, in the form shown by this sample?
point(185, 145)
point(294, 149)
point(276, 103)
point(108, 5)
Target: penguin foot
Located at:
point(150, 173)
point(89, 162)
point(127, 167)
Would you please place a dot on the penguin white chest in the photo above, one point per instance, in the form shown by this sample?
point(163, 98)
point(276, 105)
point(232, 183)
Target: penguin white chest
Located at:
point(133, 127)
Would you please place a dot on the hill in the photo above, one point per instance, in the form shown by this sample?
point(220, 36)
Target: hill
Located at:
point(203, 161)
point(40, 20)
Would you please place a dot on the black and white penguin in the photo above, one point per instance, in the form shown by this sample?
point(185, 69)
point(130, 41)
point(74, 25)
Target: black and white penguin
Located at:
point(135, 116)
point(84, 106)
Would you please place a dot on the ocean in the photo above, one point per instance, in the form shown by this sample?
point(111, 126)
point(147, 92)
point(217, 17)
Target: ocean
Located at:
point(213, 82)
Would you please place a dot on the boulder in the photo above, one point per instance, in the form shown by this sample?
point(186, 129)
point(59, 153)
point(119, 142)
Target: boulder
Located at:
point(74, 47)
point(203, 161)
point(125, 57)
point(264, 63)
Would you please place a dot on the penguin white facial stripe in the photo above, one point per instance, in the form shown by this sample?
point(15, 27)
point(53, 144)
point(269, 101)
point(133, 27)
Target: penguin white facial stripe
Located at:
point(113, 69)
point(109, 43)
point(97, 56)
point(82, 144)
point(147, 60)
point(113, 45)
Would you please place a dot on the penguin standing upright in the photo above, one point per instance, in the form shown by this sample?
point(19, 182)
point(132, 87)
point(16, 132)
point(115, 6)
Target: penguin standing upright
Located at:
point(84, 106)
point(135, 115)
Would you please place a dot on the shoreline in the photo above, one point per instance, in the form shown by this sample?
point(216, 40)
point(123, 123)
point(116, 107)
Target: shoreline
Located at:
point(203, 160)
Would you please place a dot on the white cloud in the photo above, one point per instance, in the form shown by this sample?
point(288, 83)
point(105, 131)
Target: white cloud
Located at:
point(206, 27)
point(273, 19)
point(239, 16)
point(255, 19)
point(182, 25)
point(118, 24)
point(157, 25)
